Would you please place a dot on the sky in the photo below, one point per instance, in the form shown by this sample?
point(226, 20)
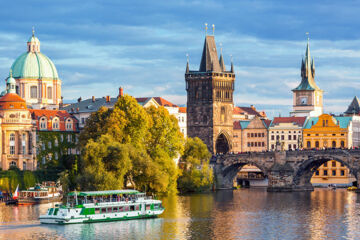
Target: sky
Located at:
point(98, 46)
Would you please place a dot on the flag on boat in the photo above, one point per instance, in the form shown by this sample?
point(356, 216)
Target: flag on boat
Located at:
point(16, 193)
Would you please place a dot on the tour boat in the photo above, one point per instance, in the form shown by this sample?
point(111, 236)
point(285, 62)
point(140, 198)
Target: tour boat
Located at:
point(45, 193)
point(103, 206)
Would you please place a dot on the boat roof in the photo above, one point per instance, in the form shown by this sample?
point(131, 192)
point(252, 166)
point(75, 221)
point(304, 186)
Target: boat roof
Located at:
point(101, 193)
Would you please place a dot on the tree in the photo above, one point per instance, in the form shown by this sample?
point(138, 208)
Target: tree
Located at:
point(196, 174)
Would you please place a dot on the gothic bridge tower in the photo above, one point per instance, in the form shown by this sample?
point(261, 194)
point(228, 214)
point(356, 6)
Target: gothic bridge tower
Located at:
point(210, 100)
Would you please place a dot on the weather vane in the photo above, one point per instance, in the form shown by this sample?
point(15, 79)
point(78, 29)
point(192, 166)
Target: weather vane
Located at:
point(213, 28)
point(206, 28)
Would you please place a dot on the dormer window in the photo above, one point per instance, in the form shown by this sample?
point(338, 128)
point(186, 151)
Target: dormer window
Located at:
point(55, 124)
point(69, 124)
point(43, 123)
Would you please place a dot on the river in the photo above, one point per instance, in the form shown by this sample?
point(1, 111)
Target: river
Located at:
point(238, 214)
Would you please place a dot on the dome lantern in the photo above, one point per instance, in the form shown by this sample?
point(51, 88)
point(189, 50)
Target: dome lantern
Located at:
point(33, 44)
point(11, 84)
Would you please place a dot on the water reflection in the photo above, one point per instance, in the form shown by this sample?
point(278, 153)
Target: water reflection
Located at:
point(240, 214)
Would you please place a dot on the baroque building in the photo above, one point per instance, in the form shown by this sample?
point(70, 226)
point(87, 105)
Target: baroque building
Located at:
point(307, 97)
point(37, 80)
point(17, 133)
point(210, 100)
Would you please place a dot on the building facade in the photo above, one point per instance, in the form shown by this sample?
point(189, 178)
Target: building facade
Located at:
point(332, 172)
point(37, 80)
point(307, 97)
point(210, 100)
point(17, 132)
point(285, 133)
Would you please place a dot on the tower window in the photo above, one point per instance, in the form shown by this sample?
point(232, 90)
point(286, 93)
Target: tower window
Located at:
point(49, 92)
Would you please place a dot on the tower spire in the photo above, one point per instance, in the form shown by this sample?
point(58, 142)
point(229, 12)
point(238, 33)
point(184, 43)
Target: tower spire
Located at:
point(221, 60)
point(187, 63)
point(232, 65)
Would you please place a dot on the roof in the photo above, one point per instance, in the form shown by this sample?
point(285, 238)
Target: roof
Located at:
point(354, 107)
point(246, 110)
point(12, 101)
point(342, 121)
point(103, 193)
point(89, 105)
point(244, 124)
point(182, 109)
point(266, 123)
point(295, 120)
point(209, 58)
point(37, 113)
point(163, 102)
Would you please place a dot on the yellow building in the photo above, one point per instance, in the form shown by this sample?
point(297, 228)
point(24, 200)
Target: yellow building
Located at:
point(327, 131)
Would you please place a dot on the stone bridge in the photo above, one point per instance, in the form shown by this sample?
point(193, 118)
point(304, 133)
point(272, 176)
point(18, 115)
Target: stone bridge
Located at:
point(286, 171)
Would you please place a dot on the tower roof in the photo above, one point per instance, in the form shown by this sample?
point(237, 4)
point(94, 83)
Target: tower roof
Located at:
point(354, 107)
point(307, 72)
point(209, 59)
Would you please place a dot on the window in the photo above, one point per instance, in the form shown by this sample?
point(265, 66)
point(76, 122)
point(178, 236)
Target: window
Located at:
point(325, 173)
point(252, 135)
point(55, 124)
point(294, 137)
point(289, 146)
point(325, 164)
point(333, 163)
point(272, 146)
point(43, 123)
point(13, 163)
point(49, 145)
point(342, 173)
point(69, 138)
point(282, 137)
point(12, 143)
point(24, 165)
point(56, 142)
point(317, 144)
point(23, 144)
point(342, 144)
point(272, 137)
point(49, 92)
point(333, 144)
point(308, 144)
point(277, 137)
point(33, 92)
point(289, 137)
point(56, 156)
point(294, 146)
point(248, 144)
point(342, 165)
point(82, 120)
point(69, 124)
point(43, 160)
point(334, 172)
point(317, 173)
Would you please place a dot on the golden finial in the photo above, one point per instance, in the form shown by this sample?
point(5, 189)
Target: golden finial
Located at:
point(33, 31)
point(213, 28)
point(206, 28)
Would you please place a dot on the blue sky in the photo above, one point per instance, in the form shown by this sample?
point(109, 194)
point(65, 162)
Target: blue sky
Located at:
point(98, 46)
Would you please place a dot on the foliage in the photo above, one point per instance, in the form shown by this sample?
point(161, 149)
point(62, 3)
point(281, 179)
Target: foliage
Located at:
point(196, 174)
point(129, 144)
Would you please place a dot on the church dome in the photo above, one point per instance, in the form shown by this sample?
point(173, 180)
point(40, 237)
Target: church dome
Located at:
point(33, 64)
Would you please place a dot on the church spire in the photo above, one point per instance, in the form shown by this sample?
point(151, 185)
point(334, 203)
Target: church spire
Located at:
point(187, 64)
point(232, 65)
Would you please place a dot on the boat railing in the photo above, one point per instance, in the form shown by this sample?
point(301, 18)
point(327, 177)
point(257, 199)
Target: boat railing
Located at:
point(113, 200)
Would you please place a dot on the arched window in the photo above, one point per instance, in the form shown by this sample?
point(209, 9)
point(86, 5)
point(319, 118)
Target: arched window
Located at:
point(342, 144)
point(55, 124)
point(24, 165)
point(33, 92)
point(49, 92)
point(13, 163)
point(317, 144)
point(12, 143)
point(69, 124)
point(333, 144)
point(43, 123)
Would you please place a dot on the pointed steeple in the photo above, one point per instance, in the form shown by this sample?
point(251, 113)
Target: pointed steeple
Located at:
point(354, 107)
point(209, 59)
point(232, 65)
point(307, 72)
point(187, 64)
point(221, 60)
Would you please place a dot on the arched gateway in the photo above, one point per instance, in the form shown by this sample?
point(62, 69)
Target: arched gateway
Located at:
point(286, 171)
point(222, 144)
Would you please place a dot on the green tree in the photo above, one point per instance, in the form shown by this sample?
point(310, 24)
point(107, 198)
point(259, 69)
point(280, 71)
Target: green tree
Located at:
point(196, 174)
point(29, 179)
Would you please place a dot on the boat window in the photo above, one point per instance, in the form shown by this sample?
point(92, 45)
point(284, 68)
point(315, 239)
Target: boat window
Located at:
point(137, 207)
point(132, 208)
point(126, 208)
point(147, 206)
point(115, 209)
point(121, 209)
point(56, 211)
point(97, 210)
point(51, 211)
point(109, 210)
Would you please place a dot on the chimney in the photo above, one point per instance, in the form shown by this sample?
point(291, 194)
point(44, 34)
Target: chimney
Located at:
point(107, 98)
point(121, 92)
point(93, 98)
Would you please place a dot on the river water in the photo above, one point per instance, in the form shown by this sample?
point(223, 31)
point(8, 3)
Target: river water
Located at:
point(238, 214)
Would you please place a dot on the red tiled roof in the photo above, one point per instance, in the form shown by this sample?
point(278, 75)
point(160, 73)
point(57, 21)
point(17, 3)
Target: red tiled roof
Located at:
point(49, 113)
point(144, 99)
point(297, 120)
point(12, 101)
point(182, 109)
point(267, 122)
point(236, 125)
point(163, 102)
point(247, 110)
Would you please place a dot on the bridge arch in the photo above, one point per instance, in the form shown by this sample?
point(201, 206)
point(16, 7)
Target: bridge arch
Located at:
point(305, 171)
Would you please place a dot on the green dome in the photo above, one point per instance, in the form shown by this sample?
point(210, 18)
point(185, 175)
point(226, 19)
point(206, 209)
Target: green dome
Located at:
point(34, 65)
